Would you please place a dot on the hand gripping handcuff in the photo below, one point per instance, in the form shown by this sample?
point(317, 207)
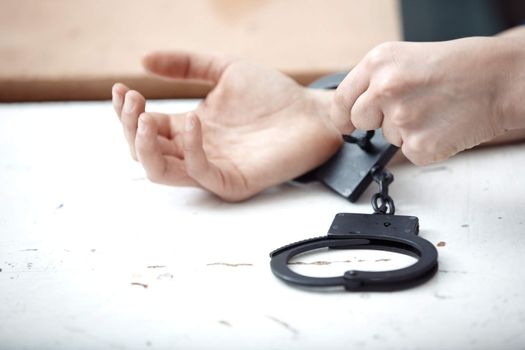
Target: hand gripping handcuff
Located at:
point(361, 160)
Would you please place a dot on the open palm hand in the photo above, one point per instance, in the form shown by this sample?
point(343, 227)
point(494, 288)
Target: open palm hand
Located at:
point(255, 129)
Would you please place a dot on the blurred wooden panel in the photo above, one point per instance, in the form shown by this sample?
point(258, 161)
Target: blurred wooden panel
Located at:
point(66, 49)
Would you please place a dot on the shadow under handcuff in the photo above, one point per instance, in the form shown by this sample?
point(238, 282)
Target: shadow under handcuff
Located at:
point(361, 160)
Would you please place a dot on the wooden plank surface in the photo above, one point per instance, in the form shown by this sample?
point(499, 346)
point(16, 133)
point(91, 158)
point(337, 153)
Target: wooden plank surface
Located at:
point(64, 49)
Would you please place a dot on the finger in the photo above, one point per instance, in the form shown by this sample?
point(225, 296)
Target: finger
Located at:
point(159, 168)
point(366, 113)
point(169, 125)
point(134, 105)
point(197, 164)
point(171, 147)
point(117, 96)
point(354, 84)
point(391, 133)
point(186, 65)
point(413, 155)
point(170, 129)
point(420, 148)
point(423, 148)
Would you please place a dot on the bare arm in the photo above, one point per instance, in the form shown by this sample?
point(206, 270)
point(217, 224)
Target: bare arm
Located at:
point(516, 32)
point(516, 135)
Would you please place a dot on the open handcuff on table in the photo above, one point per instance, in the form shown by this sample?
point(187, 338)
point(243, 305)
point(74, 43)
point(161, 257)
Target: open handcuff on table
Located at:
point(361, 160)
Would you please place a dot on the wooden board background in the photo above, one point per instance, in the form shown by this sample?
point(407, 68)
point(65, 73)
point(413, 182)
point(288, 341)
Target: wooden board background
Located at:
point(65, 49)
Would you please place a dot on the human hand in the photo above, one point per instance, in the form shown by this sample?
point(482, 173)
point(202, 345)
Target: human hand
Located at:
point(255, 129)
point(433, 99)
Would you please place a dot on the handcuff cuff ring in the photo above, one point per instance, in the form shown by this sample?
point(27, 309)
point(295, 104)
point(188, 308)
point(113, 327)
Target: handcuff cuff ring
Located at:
point(393, 233)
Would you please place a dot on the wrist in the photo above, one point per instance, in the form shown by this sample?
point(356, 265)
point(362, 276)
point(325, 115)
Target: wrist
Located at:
point(321, 103)
point(324, 99)
point(511, 89)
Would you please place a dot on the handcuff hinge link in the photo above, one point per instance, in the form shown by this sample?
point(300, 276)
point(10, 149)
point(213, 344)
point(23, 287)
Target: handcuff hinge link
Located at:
point(382, 203)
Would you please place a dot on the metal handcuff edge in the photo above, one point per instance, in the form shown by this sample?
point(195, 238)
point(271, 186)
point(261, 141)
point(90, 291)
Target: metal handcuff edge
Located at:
point(371, 285)
point(416, 243)
point(296, 244)
point(397, 279)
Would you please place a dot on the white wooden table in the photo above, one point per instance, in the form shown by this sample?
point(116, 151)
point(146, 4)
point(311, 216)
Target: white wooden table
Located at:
point(94, 256)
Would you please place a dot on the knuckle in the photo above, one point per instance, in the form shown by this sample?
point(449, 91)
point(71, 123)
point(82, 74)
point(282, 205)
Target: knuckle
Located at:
point(378, 55)
point(389, 84)
point(423, 149)
point(400, 116)
point(382, 54)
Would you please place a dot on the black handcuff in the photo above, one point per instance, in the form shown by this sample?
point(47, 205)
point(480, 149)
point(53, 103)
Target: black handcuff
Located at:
point(361, 160)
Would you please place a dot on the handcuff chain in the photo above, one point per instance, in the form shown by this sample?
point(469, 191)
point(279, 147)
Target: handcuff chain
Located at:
point(381, 201)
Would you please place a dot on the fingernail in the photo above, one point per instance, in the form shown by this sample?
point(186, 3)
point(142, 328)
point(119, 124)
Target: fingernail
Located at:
point(142, 126)
point(128, 105)
point(190, 122)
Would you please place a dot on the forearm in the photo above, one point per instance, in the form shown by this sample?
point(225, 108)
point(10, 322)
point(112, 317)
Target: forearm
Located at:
point(511, 99)
point(516, 96)
point(512, 92)
point(515, 32)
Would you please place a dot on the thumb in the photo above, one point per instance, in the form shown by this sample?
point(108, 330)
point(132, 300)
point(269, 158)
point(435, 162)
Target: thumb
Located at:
point(353, 85)
point(198, 166)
